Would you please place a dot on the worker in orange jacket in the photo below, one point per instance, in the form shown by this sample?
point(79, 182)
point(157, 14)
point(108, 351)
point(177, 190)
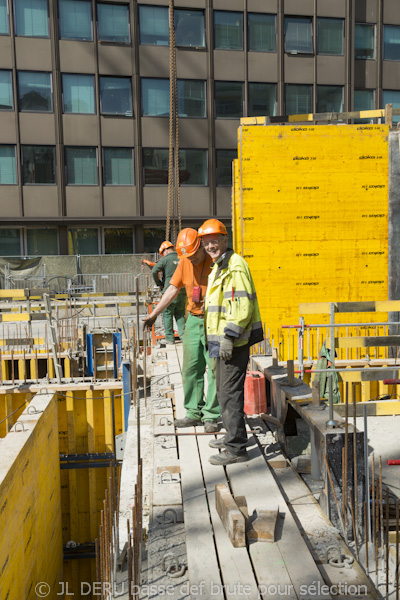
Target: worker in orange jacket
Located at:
point(192, 273)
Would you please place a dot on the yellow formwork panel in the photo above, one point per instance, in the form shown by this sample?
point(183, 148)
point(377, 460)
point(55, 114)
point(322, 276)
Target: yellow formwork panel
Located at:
point(310, 212)
point(30, 512)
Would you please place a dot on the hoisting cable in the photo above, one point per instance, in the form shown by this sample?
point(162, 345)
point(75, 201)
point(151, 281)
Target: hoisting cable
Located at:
point(174, 204)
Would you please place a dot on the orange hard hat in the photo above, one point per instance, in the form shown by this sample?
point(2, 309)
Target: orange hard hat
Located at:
point(187, 242)
point(164, 246)
point(212, 226)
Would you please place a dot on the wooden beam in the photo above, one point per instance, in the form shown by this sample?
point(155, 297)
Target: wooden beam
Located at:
point(230, 515)
point(263, 527)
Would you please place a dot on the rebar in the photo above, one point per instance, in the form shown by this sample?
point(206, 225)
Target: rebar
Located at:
point(387, 542)
point(355, 456)
point(353, 519)
point(366, 537)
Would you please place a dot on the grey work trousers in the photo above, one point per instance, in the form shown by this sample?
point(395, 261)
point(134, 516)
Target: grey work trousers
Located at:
point(230, 376)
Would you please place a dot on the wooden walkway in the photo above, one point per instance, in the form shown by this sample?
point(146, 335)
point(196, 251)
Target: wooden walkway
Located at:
point(263, 571)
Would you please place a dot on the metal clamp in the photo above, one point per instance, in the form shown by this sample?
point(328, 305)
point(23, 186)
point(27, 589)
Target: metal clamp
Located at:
point(19, 423)
point(32, 410)
point(43, 392)
point(167, 421)
point(170, 480)
point(164, 519)
point(175, 568)
point(340, 560)
point(258, 430)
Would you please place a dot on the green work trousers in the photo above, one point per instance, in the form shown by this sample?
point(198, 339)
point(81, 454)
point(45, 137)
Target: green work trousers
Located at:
point(176, 309)
point(195, 361)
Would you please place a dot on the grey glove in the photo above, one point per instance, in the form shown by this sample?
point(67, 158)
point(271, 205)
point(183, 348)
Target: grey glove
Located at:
point(226, 348)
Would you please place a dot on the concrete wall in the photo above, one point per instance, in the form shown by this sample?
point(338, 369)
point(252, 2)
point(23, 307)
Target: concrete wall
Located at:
point(30, 504)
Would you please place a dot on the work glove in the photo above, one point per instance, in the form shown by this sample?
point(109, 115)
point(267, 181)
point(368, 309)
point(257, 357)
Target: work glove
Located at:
point(226, 348)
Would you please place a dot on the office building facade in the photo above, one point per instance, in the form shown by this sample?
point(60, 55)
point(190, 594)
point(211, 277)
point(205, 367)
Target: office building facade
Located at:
point(84, 105)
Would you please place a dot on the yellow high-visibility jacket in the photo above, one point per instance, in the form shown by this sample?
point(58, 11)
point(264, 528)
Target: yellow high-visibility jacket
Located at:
point(231, 306)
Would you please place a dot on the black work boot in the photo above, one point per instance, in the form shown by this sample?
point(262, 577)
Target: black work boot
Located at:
point(219, 443)
point(187, 422)
point(227, 458)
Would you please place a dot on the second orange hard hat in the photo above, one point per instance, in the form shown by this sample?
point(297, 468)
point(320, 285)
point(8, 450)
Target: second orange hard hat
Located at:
point(212, 226)
point(164, 246)
point(188, 242)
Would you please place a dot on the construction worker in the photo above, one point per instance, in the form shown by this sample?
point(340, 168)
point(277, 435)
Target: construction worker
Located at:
point(166, 266)
point(232, 325)
point(192, 273)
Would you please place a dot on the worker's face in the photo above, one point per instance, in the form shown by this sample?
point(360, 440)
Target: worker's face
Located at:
point(198, 256)
point(215, 244)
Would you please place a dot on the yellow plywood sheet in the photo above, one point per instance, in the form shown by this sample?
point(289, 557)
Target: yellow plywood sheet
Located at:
point(30, 507)
point(310, 216)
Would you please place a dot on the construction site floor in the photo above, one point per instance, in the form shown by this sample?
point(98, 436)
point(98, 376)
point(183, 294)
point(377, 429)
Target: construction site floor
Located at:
point(188, 552)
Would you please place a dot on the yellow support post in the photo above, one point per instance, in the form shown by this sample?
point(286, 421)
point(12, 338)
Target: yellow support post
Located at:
point(67, 367)
point(93, 512)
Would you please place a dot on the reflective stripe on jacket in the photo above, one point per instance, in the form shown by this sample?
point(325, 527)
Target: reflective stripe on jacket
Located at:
point(231, 306)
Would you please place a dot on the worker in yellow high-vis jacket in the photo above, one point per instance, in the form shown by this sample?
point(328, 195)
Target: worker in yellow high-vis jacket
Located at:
point(232, 324)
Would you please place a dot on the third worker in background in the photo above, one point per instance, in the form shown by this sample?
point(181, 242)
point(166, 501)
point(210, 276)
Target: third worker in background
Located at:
point(167, 265)
point(232, 325)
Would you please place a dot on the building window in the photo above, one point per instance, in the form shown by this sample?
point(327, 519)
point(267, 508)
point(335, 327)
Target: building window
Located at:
point(8, 166)
point(191, 98)
point(31, 18)
point(118, 240)
point(155, 166)
point(34, 91)
point(116, 96)
point(38, 165)
point(364, 41)
point(81, 166)
point(329, 98)
point(4, 24)
point(10, 242)
point(363, 100)
point(298, 99)
point(228, 30)
point(155, 97)
point(262, 99)
point(193, 167)
point(228, 99)
point(78, 94)
point(224, 166)
point(153, 237)
point(261, 32)
point(391, 42)
point(6, 91)
point(189, 28)
point(153, 25)
point(392, 97)
point(83, 241)
point(118, 166)
point(75, 20)
point(41, 242)
point(330, 34)
point(113, 23)
point(298, 35)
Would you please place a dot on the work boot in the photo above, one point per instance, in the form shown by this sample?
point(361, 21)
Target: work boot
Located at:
point(219, 444)
point(227, 458)
point(211, 427)
point(187, 422)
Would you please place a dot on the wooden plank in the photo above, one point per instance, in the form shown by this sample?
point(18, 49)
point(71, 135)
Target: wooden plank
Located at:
point(263, 527)
point(234, 562)
point(367, 341)
point(230, 515)
point(254, 480)
point(201, 555)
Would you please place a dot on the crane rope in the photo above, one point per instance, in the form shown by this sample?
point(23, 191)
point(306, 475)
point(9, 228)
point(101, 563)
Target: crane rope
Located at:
point(174, 202)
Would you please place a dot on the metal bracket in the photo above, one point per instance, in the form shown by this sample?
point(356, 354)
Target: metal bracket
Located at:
point(170, 480)
point(175, 568)
point(164, 519)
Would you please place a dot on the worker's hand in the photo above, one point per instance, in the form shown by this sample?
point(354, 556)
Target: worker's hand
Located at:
point(148, 321)
point(226, 348)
